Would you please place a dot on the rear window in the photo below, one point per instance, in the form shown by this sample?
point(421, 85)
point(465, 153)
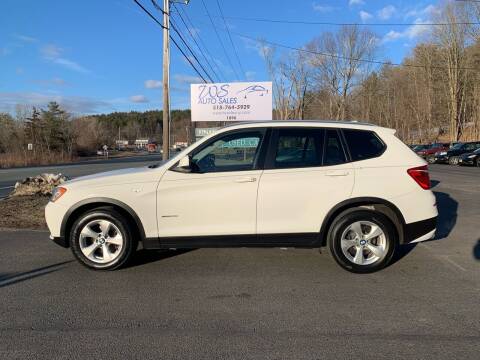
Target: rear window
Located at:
point(363, 144)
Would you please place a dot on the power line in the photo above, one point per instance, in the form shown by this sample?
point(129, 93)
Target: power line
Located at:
point(219, 39)
point(196, 43)
point(204, 45)
point(336, 56)
point(173, 40)
point(174, 27)
point(302, 22)
point(230, 37)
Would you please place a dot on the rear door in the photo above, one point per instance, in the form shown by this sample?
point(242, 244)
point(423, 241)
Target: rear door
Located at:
point(306, 174)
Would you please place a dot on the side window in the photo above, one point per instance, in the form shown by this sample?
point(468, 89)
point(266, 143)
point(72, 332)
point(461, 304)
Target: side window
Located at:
point(298, 148)
point(234, 152)
point(363, 144)
point(334, 154)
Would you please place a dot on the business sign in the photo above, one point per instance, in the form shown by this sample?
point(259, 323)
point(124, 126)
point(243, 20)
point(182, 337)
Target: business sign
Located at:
point(241, 101)
point(202, 132)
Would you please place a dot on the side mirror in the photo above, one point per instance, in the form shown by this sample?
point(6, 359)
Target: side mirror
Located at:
point(184, 165)
point(184, 162)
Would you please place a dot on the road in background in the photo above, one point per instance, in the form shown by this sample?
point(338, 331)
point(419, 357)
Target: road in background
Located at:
point(251, 303)
point(8, 177)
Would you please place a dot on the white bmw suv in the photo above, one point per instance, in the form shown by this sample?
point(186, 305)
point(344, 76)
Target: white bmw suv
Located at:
point(353, 187)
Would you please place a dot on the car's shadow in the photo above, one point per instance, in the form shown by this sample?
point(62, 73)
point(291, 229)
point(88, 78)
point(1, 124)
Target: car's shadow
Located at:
point(142, 257)
point(447, 215)
point(476, 250)
point(446, 221)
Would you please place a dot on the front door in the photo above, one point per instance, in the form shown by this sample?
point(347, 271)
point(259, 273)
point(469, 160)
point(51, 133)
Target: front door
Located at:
point(219, 195)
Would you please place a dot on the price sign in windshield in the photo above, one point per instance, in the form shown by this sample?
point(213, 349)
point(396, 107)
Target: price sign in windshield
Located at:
point(241, 101)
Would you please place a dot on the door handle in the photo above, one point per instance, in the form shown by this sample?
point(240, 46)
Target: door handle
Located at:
point(337, 173)
point(245, 179)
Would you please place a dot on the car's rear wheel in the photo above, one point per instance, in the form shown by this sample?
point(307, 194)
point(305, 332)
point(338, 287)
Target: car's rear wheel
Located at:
point(362, 241)
point(102, 239)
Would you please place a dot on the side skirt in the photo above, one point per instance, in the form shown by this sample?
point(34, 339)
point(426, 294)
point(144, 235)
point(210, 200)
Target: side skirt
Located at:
point(305, 240)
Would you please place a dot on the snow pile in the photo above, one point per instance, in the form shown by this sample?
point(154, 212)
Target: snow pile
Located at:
point(38, 185)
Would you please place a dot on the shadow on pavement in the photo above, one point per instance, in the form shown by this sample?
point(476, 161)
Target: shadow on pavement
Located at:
point(15, 278)
point(476, 250)
point(447, 214)
point(143, 257)
point(434, 183)
point(401, 252)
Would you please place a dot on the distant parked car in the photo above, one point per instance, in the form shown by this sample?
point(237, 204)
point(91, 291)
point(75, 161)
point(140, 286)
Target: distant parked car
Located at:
point(432, 149)
point(472, 158)
point(418, 148)
point(452, 156)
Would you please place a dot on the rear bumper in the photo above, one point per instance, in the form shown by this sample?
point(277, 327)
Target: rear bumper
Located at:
point(420, 230)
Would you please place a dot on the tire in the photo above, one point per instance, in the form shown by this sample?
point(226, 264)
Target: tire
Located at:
point(105, 236)
point(478, 162)
point(431, 159)
point(453, 160)
point(343, 232)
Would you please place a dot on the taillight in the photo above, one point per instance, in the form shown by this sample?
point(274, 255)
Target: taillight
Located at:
point(421, 176)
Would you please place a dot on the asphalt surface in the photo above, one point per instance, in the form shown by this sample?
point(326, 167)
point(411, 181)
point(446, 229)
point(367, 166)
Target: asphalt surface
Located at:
point(8, 177)
point(251, 303)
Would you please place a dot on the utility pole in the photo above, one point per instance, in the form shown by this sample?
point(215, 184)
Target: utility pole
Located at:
point(166, 80)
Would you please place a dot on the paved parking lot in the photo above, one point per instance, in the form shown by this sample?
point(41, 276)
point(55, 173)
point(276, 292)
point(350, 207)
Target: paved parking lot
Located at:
point(251, 303)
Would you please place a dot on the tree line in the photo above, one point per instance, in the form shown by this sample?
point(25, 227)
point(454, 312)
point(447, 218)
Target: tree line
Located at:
point(434, 94)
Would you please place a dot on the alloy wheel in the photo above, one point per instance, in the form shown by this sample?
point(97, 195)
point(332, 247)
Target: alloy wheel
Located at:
point(101, 241)
point(363, 243)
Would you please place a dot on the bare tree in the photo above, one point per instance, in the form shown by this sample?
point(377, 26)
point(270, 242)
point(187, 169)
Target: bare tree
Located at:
point(341, 61)
point(453, 40)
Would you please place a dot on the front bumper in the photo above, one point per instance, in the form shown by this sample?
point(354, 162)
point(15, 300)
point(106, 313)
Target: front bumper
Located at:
point(441, 159)
point(420, 230)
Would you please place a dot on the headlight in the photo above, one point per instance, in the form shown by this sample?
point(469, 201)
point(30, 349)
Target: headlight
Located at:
point(57, 193)
point(443, 153)
point(471, 156)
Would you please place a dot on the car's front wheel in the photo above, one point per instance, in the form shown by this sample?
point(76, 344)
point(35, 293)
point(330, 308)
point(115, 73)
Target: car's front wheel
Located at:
point(362, 241)
point(478, 162)
point(431, 159)
point(102, 239)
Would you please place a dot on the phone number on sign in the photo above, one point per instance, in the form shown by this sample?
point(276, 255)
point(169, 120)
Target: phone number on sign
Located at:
point(231, 107)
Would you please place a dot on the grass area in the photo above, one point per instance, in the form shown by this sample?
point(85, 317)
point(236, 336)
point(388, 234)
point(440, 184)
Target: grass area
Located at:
point(23, 212)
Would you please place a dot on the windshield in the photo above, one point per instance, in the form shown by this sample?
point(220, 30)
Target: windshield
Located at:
point(420, 147)
point(457, 146)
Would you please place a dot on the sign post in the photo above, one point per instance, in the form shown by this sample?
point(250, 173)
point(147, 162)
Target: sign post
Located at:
point(241, 101)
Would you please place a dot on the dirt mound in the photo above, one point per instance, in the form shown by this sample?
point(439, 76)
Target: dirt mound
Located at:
point(38, 185)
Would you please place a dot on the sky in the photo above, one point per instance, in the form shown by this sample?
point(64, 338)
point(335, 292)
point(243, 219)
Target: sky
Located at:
point(99, 56)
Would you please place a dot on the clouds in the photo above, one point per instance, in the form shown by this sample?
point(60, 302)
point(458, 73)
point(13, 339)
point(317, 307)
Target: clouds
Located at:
point(53, 54)
point(365, 16)
point(322, 8)
point(387, 12)
point(356, 2)
point(153, 84)
point(410, 33)
point(139, 99)
point(74, 104)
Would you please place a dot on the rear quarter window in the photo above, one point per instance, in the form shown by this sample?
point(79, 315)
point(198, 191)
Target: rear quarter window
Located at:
point(363, 144)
